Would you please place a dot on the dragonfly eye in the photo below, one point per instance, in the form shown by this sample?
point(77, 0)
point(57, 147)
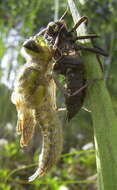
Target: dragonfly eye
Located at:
point(31, 45)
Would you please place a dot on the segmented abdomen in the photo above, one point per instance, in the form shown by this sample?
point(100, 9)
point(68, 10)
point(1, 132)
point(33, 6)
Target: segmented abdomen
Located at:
point(73, 69)
point(52, 139)
point(34, 97)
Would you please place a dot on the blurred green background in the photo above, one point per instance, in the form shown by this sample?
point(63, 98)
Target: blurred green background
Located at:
point(76, 169)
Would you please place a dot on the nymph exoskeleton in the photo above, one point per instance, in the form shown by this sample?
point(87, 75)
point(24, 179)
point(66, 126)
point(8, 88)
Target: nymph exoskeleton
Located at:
point(68, 61)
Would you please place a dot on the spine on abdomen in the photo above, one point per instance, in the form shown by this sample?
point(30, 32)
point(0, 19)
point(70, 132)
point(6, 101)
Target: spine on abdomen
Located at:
point(52, 141)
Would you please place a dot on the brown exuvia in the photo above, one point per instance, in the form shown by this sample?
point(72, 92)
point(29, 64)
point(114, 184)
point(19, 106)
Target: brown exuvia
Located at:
point(68, 61)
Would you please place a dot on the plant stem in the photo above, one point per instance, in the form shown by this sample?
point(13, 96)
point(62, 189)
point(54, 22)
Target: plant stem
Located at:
point(103, 116)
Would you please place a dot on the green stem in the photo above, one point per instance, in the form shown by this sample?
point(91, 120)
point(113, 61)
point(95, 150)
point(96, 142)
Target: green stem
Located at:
point(56, 8)
point(104, 120)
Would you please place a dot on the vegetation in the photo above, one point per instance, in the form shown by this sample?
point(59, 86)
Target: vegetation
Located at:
point(76, 169)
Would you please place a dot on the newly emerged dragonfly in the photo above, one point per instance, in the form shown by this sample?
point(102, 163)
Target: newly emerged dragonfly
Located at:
point(34, 97)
